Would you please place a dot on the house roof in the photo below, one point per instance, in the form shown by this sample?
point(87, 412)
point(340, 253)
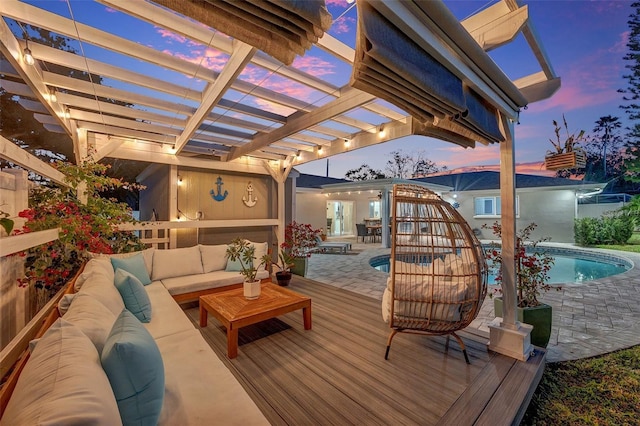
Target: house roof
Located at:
point(488, 180)
point(312, 181)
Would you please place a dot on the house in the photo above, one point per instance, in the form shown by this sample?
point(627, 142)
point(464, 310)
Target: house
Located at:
point(550, 202)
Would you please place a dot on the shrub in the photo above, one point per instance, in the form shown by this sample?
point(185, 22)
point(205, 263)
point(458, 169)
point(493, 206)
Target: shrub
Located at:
point(615, 229)
point(84, 228)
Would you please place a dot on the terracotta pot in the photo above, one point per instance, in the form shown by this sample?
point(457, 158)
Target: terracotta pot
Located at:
point(539, 317)
point(251, 290)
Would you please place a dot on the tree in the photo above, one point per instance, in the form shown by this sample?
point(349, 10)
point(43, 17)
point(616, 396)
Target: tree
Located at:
point(606, 137)
point(364, 172)
point(399, 165)
point(421, 166)
point(631, 95)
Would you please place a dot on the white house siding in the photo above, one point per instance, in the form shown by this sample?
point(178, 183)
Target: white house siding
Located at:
point(552, 210)
point(597, 210)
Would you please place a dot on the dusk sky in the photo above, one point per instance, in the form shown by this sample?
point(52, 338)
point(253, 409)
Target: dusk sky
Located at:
point(585, 41)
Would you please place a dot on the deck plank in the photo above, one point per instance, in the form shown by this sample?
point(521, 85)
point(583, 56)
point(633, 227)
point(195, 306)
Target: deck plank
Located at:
point(336, 373)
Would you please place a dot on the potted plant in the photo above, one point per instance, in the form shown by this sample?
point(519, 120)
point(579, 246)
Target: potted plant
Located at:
point(299, 241)
point(242, 251)
point(284, 264)
point(567, 154)
point(532, 276)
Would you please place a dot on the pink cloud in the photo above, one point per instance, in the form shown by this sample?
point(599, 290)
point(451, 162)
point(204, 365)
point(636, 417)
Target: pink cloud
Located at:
point(211, 59)
point(313, 65)
point(343, 25)
point(170, 35)
point(342, 3)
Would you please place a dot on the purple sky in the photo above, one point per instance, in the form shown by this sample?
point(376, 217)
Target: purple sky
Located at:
point(585, 41)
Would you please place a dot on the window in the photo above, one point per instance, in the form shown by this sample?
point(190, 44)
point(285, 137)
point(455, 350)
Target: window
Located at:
point(490, 206)
point(374, 209)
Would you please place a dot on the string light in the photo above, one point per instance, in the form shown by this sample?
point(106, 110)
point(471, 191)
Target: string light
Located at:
point(28, 57)
point(52, 95)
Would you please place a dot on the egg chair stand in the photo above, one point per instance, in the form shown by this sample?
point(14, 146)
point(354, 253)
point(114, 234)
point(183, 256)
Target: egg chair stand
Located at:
point(438, 273)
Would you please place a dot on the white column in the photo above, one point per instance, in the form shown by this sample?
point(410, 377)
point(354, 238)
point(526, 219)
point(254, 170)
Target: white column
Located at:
point(508, 336)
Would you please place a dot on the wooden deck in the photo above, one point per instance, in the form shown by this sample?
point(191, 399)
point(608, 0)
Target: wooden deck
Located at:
point(336, 373)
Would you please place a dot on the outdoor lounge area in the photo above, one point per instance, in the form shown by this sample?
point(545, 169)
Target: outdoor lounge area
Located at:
point(206, 108)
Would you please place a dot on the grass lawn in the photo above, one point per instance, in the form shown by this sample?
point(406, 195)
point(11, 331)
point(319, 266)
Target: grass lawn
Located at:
point(603, 390)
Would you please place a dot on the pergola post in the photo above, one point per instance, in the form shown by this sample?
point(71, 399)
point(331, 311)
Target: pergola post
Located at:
point(385, 208)
point(508, 336)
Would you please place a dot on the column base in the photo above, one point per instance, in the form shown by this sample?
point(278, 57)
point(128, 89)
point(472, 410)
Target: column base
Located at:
point(515, 343)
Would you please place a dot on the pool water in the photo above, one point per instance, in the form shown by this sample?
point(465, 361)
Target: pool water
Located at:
point(566, 269)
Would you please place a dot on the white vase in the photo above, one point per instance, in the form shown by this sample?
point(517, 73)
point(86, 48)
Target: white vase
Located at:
point(251, 290)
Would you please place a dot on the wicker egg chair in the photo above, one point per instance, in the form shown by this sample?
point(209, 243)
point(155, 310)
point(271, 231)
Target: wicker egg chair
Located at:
point(438, 273)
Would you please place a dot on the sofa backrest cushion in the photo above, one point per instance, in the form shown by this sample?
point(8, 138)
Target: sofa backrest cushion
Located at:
point(101, 287)
point(62, 383)
point(134, 265)
point(91, 317)
point(98, 265)
point(261, 250)
point(134, 296)
point(134, 366)
point(147, 254)
point(214, 257)
point(176, 263)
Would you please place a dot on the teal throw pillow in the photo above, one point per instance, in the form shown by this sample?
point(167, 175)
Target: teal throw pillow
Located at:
point(135, 265)
point(133, 294)
point(132, 361)
point(233, 266)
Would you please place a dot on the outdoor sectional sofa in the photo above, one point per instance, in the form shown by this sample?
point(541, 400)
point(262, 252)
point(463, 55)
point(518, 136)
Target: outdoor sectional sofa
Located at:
point(126, 351)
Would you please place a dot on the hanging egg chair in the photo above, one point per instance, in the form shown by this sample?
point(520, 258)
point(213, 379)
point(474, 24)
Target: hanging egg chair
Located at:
point(438, 273)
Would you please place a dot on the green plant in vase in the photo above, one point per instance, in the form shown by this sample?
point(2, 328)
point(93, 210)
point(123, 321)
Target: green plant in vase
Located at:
point(243, 251)
point(284, 264)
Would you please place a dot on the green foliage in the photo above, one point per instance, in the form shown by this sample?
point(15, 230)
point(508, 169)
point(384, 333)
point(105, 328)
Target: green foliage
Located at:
point(84, 228)
point(631, 95)
point(603, 390)
point(604, 230)
point(632, 210)
point(5, 222)
point(243, 251)
point(285, 260)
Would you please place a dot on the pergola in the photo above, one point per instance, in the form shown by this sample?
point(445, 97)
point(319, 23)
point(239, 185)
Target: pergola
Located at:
point(156, 106)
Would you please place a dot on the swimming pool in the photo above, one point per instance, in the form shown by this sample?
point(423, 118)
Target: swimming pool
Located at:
point(571, 265)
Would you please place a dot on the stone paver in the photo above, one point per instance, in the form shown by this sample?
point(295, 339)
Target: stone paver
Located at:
point(589, 319)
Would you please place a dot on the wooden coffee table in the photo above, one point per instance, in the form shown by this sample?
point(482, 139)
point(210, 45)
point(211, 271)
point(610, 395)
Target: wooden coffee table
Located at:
point(234, 311)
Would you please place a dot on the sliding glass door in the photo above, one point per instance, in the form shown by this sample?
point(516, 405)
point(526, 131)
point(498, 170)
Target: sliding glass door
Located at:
point(340, 218)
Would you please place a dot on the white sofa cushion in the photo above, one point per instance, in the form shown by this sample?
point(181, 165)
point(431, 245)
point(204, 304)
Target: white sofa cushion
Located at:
point(169, 318)
point(63, 383)
point(147, 254)
point(199, 388)
point(260, 250)
point(92, 318)
point(101, 287)
point(176, 263)
point(99, 265)
point(191, 283)
point(214, 258)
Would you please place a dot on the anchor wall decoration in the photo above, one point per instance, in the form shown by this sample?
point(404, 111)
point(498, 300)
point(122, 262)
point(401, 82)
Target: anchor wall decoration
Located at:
point(219, 196)
point(248, 201)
